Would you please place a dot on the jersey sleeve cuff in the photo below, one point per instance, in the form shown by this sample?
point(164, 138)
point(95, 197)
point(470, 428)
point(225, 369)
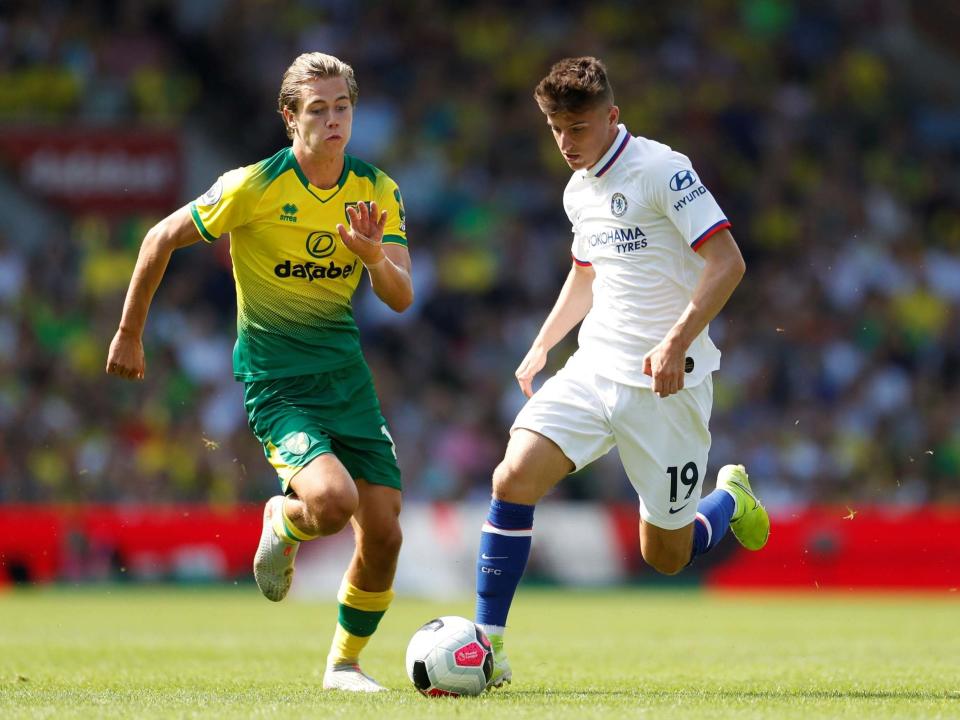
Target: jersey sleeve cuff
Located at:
point(394, 240)
point(581, 263)
point(709, 233)
point(204, 233)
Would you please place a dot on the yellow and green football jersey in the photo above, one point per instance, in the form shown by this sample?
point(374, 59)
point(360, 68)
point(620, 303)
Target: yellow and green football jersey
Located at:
point(294, 276)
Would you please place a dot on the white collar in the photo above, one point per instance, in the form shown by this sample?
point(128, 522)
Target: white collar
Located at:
point(603, 165)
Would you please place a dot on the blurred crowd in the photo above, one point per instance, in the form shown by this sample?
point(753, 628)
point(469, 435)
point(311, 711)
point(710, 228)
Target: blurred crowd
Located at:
point(840, 376)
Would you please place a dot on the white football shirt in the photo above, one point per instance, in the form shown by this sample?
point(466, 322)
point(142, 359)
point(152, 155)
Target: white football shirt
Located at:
point(638, 216)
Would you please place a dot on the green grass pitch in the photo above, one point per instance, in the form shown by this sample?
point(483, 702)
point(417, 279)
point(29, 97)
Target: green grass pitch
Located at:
point(227, 653)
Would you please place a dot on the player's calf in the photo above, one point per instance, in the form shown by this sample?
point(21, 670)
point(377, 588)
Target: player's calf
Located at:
point(359, 614)
point(666, 562)
point(504, 549)
point(666, 551)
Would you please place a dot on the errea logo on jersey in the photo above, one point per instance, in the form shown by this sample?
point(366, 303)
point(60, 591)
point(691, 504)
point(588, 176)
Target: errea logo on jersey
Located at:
point(288, 213)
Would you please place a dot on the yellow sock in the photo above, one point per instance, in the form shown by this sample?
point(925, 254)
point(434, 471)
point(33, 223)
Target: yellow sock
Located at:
point(286, 530)
point(360, 613)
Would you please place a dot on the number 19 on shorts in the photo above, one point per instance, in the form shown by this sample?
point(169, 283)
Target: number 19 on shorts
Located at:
point(687, 476)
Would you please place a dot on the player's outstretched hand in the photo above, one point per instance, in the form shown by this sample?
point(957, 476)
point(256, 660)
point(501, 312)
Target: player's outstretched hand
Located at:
point(126, 357)
point(365, 236)
point(532, 364)
point(664, 363)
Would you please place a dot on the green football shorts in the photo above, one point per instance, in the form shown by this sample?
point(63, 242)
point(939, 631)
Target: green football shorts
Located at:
point(300, 418)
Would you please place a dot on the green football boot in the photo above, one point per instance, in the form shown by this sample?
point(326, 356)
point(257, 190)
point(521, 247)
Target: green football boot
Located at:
point(750, 522)
point(501, 666)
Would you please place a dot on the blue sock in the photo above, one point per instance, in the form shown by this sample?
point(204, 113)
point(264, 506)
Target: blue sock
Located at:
point(713, 519)
point(504, 549)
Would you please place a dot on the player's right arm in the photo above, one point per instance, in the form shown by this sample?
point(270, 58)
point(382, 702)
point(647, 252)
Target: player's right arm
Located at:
point(177, 230)
point(572, 306)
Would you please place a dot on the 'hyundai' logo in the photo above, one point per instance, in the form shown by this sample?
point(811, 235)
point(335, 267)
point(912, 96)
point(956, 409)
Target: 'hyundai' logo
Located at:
point(682, 180)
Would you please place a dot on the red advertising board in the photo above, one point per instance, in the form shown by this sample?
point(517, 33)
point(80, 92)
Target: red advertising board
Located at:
point(103, 170)
point(98, 542)
point(825, 548)
point(833, 548)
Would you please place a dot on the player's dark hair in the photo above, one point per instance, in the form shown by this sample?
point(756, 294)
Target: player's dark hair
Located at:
point(574, 85)
point(307, 67)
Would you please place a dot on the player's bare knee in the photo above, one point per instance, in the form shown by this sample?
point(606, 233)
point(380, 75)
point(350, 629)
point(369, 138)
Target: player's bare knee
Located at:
point(329, 511)
point(390, 545)
point(501, 479)
point(335, 513)
point(510, 483)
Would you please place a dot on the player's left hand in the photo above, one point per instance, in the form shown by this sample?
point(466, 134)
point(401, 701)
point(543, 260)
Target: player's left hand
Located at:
point(664, 363)
point(532, 364)
point(365, 236)
point(125, 357)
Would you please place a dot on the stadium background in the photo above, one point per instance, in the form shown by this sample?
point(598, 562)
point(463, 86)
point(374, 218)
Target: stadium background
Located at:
point(829, 131)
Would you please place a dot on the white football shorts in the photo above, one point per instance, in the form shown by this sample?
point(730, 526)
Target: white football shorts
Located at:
point(663, 442)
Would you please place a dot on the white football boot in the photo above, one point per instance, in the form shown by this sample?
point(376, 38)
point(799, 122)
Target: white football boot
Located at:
point(273, 563)
point(349, 677)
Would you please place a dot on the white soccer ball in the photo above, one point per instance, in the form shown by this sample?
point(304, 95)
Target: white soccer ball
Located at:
point(449, 656)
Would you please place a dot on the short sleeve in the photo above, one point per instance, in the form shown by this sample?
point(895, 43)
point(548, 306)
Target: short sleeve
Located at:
point(684, 199)
point(389, 199)
point(579, 250)
point(228, 204)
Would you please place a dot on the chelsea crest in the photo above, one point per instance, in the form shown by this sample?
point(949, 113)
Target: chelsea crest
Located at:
point(618, 205)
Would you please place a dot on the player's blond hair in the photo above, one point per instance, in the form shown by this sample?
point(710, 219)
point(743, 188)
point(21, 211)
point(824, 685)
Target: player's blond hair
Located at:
point(308, 67)
point(574, 85)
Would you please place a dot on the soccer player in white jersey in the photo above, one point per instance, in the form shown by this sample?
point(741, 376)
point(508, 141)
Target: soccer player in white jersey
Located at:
point(653, 264)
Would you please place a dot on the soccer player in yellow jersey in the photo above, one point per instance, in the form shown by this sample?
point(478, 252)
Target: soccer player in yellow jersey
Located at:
point(303, 224)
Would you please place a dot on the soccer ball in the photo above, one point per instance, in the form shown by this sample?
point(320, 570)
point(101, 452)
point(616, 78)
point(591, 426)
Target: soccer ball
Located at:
point(449, 656)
